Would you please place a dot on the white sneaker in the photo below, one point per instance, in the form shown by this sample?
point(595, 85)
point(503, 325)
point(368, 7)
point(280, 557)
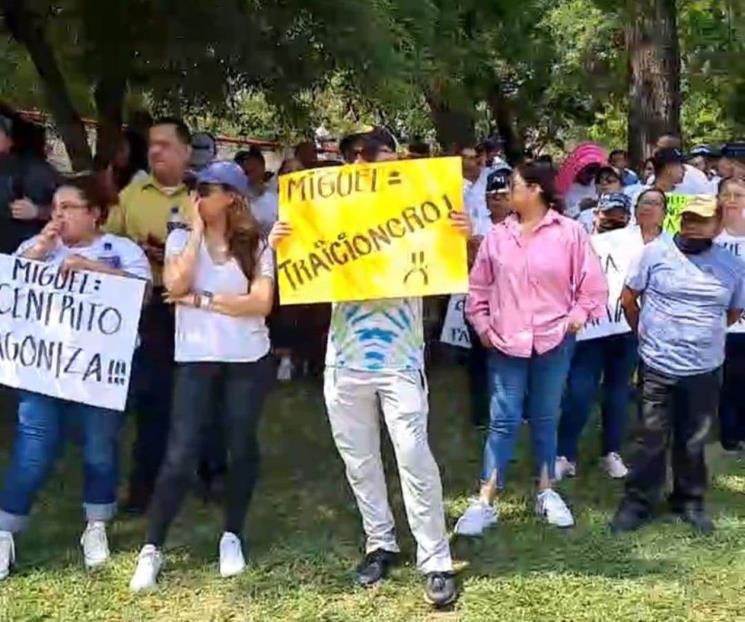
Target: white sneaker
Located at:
point(476, 519)
point(7, 554)
point(232, 562)
point(551, 507)
point(149, 563)
point(95, 545)
point(564, 468)
point(284, 371)
point(614, 466)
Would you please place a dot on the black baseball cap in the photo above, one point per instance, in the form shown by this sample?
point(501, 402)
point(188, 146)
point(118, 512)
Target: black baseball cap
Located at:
point(734, 151)
point(498, 182)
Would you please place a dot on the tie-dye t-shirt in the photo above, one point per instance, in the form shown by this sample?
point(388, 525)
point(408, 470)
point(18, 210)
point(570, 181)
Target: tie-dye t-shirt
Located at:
point(375, 335)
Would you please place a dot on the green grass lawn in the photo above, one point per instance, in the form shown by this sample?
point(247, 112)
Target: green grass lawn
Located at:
point(305, 537)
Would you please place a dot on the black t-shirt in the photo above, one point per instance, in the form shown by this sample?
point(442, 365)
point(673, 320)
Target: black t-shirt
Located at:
point(23, 176)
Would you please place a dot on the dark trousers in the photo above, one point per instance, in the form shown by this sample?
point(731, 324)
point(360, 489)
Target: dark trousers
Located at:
point(732, 408)
point(245, 386)
point(614, 358)
point(478, 380)
point(676, 414)
point(152, 394)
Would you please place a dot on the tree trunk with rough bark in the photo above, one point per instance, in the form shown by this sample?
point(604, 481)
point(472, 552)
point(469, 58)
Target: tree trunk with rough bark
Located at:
point(453, 126)
point(28, 28)
point(109, 97)
point(504, 117)
point(653, 49)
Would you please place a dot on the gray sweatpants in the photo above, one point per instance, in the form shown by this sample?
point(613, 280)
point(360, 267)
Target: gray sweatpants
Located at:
point(352, 401)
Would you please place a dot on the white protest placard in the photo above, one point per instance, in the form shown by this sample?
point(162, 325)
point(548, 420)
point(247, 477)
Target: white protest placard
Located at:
point(737, 248)
point(454, 329)
point(617, 250)
point(69, 335)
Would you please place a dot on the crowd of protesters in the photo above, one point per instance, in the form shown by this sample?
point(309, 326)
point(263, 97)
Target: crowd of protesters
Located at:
point(202, 233)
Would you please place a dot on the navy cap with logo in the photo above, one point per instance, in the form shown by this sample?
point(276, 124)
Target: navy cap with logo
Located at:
point(705, 151)
point(225, 173)
point(614, 200)
point(734, 151)
point(498, 182)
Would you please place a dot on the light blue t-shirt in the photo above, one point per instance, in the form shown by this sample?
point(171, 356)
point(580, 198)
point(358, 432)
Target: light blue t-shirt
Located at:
point(685, 299)
point(377, 335)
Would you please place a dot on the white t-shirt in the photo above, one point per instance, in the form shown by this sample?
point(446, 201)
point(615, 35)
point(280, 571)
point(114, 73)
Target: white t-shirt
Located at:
point(265, 209)
point(118, 252)
point(575, 195)
point(474, 202)
point(203, 335)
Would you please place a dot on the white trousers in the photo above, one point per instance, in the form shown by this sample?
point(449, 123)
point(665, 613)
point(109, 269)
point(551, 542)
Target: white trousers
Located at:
point(354, 400)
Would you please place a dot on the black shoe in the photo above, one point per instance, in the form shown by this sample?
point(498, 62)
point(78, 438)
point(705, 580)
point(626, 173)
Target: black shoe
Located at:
point(136, 501)
point(628, 518)
point(375, 567)
point(696, 517)
point(441, 589)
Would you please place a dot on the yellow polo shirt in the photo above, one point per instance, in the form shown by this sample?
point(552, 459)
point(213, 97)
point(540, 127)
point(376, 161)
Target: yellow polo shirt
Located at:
point(143, 210)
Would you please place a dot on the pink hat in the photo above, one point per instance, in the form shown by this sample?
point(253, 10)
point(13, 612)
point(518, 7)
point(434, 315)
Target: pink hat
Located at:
point(582, 156)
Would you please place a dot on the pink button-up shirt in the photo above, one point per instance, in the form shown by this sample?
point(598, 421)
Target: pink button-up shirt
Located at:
point(525, 290)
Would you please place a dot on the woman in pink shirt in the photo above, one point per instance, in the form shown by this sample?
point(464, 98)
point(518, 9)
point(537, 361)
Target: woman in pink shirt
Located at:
point(535, 283)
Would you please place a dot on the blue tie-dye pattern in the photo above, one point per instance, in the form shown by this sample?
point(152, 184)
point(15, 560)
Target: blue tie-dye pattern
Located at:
point(377, 335)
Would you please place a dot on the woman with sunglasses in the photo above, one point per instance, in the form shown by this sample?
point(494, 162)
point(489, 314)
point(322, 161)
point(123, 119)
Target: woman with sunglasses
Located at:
point(220, 276)
point(72, 240)
point(535, 283)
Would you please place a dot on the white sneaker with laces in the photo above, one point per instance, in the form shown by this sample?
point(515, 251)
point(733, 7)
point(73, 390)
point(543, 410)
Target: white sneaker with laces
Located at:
point(551, 507)
point(95, 545)
point(564, 468)
point(149, 563)
point(614, 466)
point(232, 562)
point(476, 519)
point(284, 370)
point(7, 554)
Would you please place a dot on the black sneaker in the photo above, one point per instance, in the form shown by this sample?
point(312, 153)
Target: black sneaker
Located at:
point(628, 518)
point(440, 589)
point(696, 517)
point(375, 567)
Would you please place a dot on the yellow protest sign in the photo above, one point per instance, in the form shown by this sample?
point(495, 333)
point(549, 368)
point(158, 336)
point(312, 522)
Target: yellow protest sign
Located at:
point(675, 203)
point(369, 231)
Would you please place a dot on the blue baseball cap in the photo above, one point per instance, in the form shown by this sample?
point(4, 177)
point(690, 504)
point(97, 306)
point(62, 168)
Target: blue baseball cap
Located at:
point(614, 200)
point(226, 173)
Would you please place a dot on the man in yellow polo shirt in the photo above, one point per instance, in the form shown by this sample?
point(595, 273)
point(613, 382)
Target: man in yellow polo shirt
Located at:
point(142, 215)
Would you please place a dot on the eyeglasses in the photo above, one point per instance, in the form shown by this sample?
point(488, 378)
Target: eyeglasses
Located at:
point(732, 196)
point(69, 205)
point(651, 203)
point(608, 179)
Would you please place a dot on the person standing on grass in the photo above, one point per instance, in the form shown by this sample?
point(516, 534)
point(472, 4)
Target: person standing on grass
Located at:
point(535, 284)
point(71, 240)
point(692, 289)
point(220, 276)
point(142, 215)
point(375, 361)
point(732, 237)
point(613, 357)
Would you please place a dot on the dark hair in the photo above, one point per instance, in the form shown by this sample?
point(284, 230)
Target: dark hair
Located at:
point(544, 177)
point(616, 152)
point(29, 138)
point(419, 147)
point(95, 190)
point(604, 170)
point(254, 153)
point(648, 191)
point(182, 130)
point(383, 136)
point(137, 158)
point(346, 144)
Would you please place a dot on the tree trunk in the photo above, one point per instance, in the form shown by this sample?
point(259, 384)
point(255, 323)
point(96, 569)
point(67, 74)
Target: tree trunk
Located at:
point(27, 27)
point(504, 117)
point(109, 97)
point(453, 127)
point(654, 72)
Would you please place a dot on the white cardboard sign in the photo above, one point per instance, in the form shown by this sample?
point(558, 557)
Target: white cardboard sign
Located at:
point(454, 329)
point(737, 248)
point(68, 335)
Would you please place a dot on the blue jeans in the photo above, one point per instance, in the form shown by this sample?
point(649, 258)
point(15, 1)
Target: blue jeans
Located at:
point(40, 435)
point(530, 386)
point(614, 358)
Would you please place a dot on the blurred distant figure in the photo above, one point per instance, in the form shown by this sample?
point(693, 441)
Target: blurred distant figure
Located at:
point(263, 201)
point(306, 153)
point(203, 150)
point(619, 160)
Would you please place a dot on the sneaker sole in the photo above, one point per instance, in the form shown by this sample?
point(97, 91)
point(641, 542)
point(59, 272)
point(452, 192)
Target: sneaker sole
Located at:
point(446, 603)
point(232, 573)
point(95, 565)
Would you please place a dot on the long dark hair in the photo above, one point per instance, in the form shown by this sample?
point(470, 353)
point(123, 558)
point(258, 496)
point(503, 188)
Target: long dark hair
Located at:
point(95, 190)
point(243, 236)
point(536, 174)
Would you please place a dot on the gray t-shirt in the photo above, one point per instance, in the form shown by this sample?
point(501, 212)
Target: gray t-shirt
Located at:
point(685, 299)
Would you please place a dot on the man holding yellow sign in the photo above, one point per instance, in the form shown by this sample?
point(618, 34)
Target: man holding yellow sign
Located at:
point(383, 234)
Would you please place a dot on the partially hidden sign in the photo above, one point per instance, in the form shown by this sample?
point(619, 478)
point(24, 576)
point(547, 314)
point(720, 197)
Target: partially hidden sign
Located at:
point(454, 328)
point(617, 251)
point(70, 335)
point(737, 248)
point(369, 231)
point(675, 203)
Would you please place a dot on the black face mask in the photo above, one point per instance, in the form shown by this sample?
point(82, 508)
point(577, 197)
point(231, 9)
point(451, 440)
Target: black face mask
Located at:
point(692, 246)
point(610, 225)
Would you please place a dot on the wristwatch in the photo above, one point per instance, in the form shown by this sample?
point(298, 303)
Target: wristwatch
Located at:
point(206, 300)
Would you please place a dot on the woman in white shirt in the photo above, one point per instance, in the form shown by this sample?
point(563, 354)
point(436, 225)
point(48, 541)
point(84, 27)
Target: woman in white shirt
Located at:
point(71, 240)
point(220, 276)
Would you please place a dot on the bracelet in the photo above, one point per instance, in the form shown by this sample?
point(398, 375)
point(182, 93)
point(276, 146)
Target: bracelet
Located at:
point(198, 300)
